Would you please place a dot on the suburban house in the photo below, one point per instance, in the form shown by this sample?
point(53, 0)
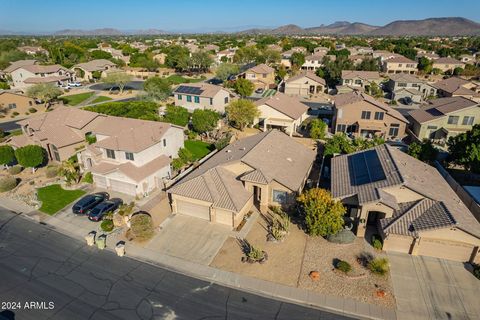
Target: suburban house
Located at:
point(280, 111)
point(15, 102)
point(313, 62)
point(447, 64)
point(261, 75)
point(467, 58)
point(286, 55)
point(93, 69)
point(407, 202)
point(225, 55)
point(399, 64)
point(359, 50)
point(212, 47)
point(360, 79)
point(131, 156)
point(404, 85)
point(31, 74)
point(444, 117)
point(160, 58)
point(384, 55)
point(202, 96)
point(458, 87)
point(304, 84)
point(18, 64)
point(31, 50)
point(321, 50)
point(428, 55)
point(360, 115)
point(267, 169)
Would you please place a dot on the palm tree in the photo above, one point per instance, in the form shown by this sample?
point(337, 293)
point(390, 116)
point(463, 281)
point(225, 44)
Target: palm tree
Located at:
point(70, 171)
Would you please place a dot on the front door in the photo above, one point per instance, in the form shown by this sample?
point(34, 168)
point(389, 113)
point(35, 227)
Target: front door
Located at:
point(257, 194)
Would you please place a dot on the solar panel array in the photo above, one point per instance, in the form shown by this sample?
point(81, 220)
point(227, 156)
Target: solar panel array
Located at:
point(367, 167)
point(189, 90)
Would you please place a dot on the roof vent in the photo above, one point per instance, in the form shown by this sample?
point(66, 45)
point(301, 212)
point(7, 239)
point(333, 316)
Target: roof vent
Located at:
point(228, 151)
point(289, 159)
point(242, 148)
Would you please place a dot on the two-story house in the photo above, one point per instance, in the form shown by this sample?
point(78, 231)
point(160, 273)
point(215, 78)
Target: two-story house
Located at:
point(304, 84)
point(202, 96)
point(403, 85)
point(266, 169)
point(28, 75)
point(86, 71)
point(131, 156)
point(360, 115)
point(262, 76)
point(458, 87)
point(225, 55)
point(360, 79)
point(444, 117)
point(447, 64)
point(314, 62)
point(399, 64)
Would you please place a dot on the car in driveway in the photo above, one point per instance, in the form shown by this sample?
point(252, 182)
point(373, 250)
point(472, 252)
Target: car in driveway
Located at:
point(100, 210)
point(88, 202)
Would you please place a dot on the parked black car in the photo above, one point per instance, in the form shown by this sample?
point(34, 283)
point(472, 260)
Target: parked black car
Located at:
point(83, 205)
point(101, 209)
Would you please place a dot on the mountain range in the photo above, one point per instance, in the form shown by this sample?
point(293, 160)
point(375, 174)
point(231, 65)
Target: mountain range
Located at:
point(451, 26)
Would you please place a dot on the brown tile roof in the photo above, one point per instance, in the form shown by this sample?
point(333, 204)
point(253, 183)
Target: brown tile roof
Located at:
point(356, 96)
point(441, 107)
point(399, 169)
point(51, 79)
point(256, 176)
point(367, 75)
point(208, 90)
point(447, 60)
point(261, 68)
point(18, 64)
point(37, 68)
point(453, 85)
point(285, 104)
point(95, 65)
point(400, 59)
point(405, 77)
point(307, 74)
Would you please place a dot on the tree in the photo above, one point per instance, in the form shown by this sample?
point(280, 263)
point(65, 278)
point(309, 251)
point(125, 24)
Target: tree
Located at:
point(332, 70)
point(464, 149)
point(7, 155)
point(424, 151)
point(458, 71)
point(157, 88)
point(425, 65)
point(244, 87)
point(70, 170)
point(323, 214)
point(177, 57)
point(201, 60)
point(100, 54)
point(176, 115)
point(242, 112)
point(339, 143)
point(269, 56)
point(118, 78)
point(145, 110)
point(369, 64)
point(297, 59)
point(225, 70)
point(30, 156)
point(246, 55)
point(45, 92)
point(374, 90)
point(204, 121)
point(282, 72)
point(317, 129)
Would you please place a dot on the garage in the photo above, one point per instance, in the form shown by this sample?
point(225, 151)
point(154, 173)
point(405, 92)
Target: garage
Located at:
point(123, 187)
point(450, 250)
point(398, 243)
point(100, 181)
point(193, 209)
point(224, 217)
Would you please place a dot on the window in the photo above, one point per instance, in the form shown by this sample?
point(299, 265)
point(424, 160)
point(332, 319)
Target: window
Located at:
point(402, 84)
point(468, 120)
point(341, 127)
point(453, 119)
point(366, 114)
point(196, 99)
point(358, 82)
point(226, 100)
point(279, 196)
point(12, 106)
point(129, 156)
point(432, 127)
point(415, 85)
point(179, 97)
point(164, 142)
point(211, 101)
point(394, 129)
point(379, 115)
point(264, 75)
point(189, 98)
point(110, 153)
point(56, 154)
point(30, 103)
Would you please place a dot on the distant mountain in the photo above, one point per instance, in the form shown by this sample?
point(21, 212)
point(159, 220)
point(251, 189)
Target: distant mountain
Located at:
point(148, 32)
point(288, 29)
point(430, 27)
point(342, 28)
point(95, 32)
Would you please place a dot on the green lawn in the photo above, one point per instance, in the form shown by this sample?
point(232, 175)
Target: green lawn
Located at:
point(199, 149)
point(54, 198)
point(177, 79)
point(268, 93)
point(100, 99)
point(76, 99)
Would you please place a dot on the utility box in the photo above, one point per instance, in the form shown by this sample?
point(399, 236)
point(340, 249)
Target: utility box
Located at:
point(120, 249)
point(90, 238)
point(101, 242)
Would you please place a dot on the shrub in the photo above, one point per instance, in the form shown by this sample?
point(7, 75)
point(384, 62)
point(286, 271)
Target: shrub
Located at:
point(255, 253)
point(15, 170)
point(32, 110)
point(222, 143)
point(15, 113)
point(142, 226)
point(88, 178)
point(107, 225)
point(7, 183)
point(377, 242)
point(379, 266)
point(51, 172)
point(126, 209)
point(343, 266)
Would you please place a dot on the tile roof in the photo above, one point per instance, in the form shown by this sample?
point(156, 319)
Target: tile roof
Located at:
point(49, 79)
point(441, 107)
point(366, 75)
point(261, 68)
point(405, 77)
point(307, 74)
point(400, 59)
point(37, 68)
point(18, 64)
point(256, 176)
point(454, 85)
point(95, 65)
point(207, 90)
point(447, 60)
point(442, 207)
point(290, 106)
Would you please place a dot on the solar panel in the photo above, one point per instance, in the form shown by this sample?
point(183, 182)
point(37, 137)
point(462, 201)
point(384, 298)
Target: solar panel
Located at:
point(189, 90)
point(365, 167)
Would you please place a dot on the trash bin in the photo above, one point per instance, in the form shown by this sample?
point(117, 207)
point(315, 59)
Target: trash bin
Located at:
point(120, 249)
point(101, 242)
point(90, 238)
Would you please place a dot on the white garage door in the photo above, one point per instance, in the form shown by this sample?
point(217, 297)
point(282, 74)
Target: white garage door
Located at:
point(445, 250)
point(194, 210)
point(123, 187)
point(100, 181)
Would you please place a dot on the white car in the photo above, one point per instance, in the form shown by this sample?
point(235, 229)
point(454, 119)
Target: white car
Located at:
point(65, 87)
point(74, 84)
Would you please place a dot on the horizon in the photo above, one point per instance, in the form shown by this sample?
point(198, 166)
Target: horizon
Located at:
point(213, 15)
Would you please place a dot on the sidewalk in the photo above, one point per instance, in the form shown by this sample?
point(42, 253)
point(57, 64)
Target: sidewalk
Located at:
point(340, 305)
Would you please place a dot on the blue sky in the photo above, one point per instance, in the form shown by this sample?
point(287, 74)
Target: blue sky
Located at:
point(209, 15)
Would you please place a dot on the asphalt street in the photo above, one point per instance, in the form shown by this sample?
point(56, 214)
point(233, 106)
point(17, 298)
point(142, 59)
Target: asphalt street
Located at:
point(47, 275)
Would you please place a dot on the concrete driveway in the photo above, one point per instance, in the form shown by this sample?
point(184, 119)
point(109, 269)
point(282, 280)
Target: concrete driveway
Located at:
point(431, 288)
point(189, 238)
